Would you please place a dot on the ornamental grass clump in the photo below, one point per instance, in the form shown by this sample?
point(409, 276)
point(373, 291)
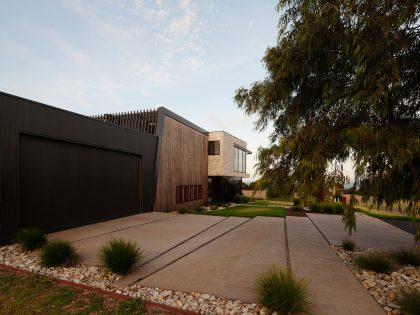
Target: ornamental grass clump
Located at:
point(120, 256)
point(378, 263)
point(348, 245)
point(278, 290)
point(407, 257)
point(59, 253)
point(410, 302)
point(30, 238)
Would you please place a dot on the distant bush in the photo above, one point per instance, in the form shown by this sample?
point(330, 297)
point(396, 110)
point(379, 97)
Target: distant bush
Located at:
point(296, 202)
point(58, 253)
point(182, 211)
point(120, 256)
point(315, 206)
point(214, 207)
point(348, 245)
point(278, 290)
point(240, 199)
point(407, 257)
point(338, 207)
point(410, 302)
point(30, 238)
point(328, 208)
point(297, 208)
point(199, 210)
point(378, 263)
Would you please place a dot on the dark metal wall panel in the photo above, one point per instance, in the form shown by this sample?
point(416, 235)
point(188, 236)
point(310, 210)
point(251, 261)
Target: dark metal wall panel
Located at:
point(71, 184)
point(21, 116)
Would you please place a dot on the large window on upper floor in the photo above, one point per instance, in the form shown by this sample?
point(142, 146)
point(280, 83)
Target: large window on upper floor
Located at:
point(239, 160)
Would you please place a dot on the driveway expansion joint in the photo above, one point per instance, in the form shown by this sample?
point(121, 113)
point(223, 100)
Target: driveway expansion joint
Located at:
point(125, 228)
point(193, 250)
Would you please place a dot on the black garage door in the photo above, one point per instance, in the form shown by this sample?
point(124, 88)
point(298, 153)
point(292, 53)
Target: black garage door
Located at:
point(64, 184)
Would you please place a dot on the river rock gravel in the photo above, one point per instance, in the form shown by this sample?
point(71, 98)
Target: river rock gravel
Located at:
point(99, 277)
point(385, 288)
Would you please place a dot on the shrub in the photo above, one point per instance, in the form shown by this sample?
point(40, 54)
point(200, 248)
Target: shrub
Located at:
point(315, 206)
point(410, 302)
point(297, 208)
point(214, 207)
point(378, 263)
point(338, 207)
point(120, 256)
point(278, 290)
point(348, 245)
point(240, 199)
point(328, 208)
point(407, 257)
point(199, 210)
point(182, 211)
point(30, 239)
point(58, 253)
point(296, 202)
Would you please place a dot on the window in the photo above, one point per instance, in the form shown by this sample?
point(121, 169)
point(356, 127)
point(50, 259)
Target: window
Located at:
point(239, 160)
point(186, 193)
point(214, 147)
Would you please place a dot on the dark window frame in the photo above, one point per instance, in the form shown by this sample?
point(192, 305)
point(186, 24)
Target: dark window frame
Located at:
point(214, 147)
point(188, 193)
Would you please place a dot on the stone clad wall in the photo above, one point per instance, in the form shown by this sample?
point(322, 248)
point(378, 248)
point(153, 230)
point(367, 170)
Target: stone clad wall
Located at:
point(223, 164)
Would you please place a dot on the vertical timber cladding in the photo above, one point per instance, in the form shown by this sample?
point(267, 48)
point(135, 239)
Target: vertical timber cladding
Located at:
point(59, 169)
point(183, 162)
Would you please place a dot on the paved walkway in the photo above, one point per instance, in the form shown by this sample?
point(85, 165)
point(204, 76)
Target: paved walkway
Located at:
point(371, 232)
point(333, 287)
point(228, 266)
point(222, 256)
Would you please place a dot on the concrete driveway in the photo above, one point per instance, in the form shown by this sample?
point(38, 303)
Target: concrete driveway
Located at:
point(222, 256)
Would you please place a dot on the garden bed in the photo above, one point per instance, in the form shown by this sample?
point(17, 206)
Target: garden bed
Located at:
point(383, 287)
point(98, 277)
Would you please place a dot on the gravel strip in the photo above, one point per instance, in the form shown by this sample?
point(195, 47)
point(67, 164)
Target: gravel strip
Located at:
point(99, 277)
point(383, 287)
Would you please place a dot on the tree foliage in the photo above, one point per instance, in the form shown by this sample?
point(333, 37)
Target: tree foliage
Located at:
point(343, 81)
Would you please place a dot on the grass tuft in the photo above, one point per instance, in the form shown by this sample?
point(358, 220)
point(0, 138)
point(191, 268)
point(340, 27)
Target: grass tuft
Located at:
point(378, 263)
point(407, 257)
point(410, 302)
point(58, 253)
point(120, 256)
point(30, 238)
point(348, 245)
point(279, 291)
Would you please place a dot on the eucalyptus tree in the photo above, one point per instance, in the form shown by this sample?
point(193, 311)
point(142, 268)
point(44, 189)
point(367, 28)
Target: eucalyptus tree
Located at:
point(343, 80)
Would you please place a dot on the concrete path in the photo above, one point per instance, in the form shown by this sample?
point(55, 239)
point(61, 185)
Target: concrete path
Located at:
point(371, 232)
point(222, 256)
point(101, 228)
point(154, 265)
point(154, 238)
point(334, 289)
point(228, 265)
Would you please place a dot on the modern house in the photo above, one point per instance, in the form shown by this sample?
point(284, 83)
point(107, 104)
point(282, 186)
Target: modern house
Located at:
point(59, 169)
point(227, 166)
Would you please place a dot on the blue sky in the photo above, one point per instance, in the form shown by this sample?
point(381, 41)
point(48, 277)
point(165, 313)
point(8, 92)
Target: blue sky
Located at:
point(103, 56)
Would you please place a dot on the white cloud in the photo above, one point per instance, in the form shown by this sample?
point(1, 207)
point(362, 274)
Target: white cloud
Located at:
point(150, 36)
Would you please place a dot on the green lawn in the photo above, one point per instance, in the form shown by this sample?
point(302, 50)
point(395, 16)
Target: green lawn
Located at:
point(247, 212)
point(266, 202)
point(383, 214)
point(34, 294)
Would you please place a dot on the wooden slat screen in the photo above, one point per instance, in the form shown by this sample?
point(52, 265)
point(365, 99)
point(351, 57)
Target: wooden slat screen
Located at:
point(144, 121)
